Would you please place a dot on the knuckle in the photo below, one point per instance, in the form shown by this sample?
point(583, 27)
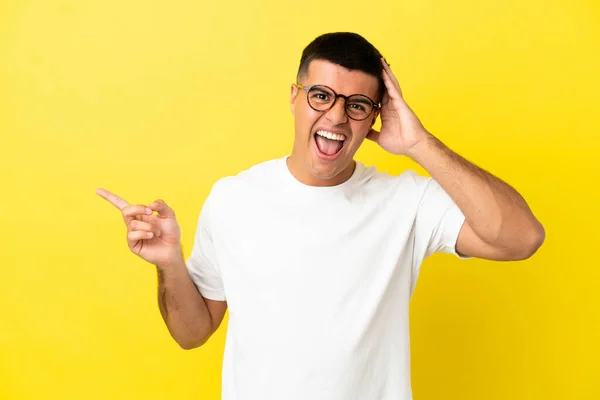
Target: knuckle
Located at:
point(131, 210)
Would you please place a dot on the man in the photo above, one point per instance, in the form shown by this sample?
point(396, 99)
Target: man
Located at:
point(315, 255)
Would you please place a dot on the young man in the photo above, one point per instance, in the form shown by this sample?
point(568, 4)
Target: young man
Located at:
point(315, 255)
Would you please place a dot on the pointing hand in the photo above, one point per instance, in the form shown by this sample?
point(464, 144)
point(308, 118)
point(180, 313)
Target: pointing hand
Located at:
point(153, 237)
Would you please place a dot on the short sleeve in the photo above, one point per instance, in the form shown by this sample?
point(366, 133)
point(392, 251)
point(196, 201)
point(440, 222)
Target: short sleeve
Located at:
point(438, 221)
point(202, 264)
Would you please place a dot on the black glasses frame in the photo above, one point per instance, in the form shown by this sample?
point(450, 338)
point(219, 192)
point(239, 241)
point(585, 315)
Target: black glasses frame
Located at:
point(374, 106)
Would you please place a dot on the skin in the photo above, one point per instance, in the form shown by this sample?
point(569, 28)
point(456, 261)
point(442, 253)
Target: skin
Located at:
point(499, 224)
point(154, 235)
point(303, 162)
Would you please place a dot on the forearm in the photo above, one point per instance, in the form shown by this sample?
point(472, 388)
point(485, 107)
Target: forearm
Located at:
point(182, 307)
point(496, 212)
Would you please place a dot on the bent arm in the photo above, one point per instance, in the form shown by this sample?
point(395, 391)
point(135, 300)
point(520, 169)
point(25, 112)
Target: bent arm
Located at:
point(499, 223)
point(190, 318)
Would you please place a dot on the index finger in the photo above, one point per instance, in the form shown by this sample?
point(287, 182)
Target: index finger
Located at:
point(112, 198)
point(387, 73)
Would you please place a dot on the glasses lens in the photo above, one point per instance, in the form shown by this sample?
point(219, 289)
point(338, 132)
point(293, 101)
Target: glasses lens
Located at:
point(359, 107)
point(320, 98)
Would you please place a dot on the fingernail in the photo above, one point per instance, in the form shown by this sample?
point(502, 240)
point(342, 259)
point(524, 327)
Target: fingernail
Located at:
point(148, 211)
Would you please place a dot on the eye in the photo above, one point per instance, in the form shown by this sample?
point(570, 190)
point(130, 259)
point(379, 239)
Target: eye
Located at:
point(357, 106)
point(322, 96)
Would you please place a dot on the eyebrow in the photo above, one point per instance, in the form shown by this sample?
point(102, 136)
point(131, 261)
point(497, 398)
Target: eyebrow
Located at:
point(360, 99)
point(364, 99)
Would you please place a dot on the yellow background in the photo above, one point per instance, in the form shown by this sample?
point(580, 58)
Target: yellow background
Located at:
point(160, 99)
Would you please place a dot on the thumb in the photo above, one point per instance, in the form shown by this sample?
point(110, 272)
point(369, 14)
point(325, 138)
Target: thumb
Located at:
point(162, 209)
point(373, 135)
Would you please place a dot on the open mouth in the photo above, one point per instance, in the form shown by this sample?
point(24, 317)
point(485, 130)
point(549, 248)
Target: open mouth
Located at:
point(329, 144)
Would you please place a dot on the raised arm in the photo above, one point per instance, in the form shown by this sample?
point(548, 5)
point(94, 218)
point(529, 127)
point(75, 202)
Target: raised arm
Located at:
point(154, 235)
point(499, 224)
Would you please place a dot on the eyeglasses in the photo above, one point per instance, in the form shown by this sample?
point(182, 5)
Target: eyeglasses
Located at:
point(322, 98)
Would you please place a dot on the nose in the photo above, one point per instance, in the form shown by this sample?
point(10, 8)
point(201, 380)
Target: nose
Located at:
point(337, 113)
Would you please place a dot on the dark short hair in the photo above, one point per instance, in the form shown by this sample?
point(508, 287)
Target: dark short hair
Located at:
point(347, 49)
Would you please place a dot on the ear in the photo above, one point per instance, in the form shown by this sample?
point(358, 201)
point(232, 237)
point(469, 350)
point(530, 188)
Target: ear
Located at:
point(293, 96)
point(375, 115)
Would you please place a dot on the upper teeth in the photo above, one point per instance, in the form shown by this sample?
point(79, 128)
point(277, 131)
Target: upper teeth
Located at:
point(330, 135)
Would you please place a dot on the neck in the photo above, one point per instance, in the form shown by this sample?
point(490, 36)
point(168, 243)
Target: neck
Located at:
point(303, 172)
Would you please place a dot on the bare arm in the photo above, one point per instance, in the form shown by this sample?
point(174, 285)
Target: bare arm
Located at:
point(153, 234)
point(190, 318)
point(500, 225)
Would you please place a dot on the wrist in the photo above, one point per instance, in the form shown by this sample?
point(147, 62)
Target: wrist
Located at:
point(174, 262)
point(420, 149)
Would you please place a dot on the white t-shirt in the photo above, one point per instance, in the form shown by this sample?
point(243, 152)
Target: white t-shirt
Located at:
point(318, 279)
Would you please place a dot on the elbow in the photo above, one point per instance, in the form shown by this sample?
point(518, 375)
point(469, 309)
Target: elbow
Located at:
point(186, 345)
point(533, 241)
point(189, 344)
point(192, 337)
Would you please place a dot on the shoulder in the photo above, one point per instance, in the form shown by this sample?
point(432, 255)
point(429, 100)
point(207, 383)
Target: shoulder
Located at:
point(251, 179)
point(407, 182)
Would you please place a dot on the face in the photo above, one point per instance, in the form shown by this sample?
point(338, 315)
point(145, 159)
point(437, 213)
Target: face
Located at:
point(320, 161)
